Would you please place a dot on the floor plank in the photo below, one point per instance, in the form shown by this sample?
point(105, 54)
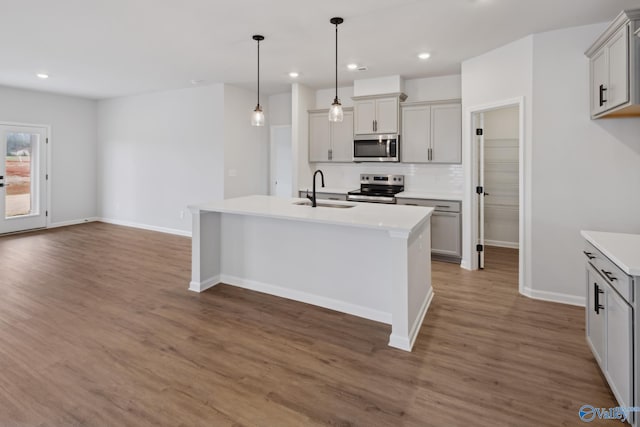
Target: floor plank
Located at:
point(97, 328)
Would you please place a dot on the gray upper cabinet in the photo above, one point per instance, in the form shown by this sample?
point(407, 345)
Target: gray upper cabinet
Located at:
point(330, 141)
point(377, 114)
point(446, 133)
point(431, 132)
point(416, 133)
point(614, 66)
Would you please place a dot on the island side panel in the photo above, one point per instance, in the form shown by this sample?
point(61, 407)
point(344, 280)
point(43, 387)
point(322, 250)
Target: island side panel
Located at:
point(412, 292)
point(340, 267)
point(205, 250)
point(420, 289)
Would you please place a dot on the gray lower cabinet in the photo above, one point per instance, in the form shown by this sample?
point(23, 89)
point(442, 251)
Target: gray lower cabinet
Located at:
point(324, 196)
point(446, 227)
point(610, 325)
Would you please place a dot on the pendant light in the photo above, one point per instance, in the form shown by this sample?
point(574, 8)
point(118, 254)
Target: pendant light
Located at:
point(335, 112)
point(257, 117)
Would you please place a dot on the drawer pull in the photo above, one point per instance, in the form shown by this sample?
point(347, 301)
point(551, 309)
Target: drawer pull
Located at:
point(588, 254)
point(443, 206)
point(608, 275)
point(411, 204)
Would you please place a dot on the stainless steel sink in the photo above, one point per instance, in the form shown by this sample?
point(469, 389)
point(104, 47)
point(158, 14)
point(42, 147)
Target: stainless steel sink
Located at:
point(323, 204)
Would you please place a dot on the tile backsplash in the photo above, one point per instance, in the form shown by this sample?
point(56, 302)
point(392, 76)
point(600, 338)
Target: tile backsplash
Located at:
point(418, 177)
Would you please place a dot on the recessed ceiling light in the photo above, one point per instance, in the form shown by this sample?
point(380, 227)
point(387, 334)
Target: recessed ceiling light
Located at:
point(293, 74)
point(424, 55)
point(196, 82)
point(42, 75)
point(352, 66)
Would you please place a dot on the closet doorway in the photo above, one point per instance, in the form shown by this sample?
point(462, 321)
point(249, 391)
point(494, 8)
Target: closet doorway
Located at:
point(498, 185)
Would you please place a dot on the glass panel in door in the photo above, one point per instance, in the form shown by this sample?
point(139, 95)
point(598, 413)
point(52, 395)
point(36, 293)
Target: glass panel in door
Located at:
point(18, 174)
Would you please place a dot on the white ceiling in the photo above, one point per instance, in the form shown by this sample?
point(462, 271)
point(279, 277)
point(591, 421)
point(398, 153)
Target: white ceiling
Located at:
point(108, 48)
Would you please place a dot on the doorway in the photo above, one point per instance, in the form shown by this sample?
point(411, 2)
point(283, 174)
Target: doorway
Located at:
point(281, 162)
point(23, 178)
point(498, 136)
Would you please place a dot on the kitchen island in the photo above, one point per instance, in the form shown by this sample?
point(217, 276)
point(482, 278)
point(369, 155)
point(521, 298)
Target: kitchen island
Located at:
point(363, 259)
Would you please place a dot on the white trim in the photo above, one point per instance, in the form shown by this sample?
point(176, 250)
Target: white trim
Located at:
point(554, 297)
point(205, 284)
point(500, 244)
point(73, 222)
point(145, 226)
point(524, 184)
point(406, 343)
point(330, 303)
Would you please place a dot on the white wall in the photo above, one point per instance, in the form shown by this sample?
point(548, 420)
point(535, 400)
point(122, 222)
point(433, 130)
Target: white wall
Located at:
point(502, 75)
point(433, 88)
point(303, 99)
point(324, 97)
point(73, 143)
point(160, 152)
point(278, 110)
point(424, 89)
point(585, 172)
point(246, 147)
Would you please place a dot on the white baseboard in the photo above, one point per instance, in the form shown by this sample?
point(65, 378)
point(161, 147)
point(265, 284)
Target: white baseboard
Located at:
point(465, 264)
point(554, 297)
point(205, 284)
point(500, 244)
point(406, 343)
point(145, 227)
point(72, 222)
point(344, 307)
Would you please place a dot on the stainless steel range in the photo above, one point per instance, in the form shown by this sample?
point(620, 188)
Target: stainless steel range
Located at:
point(377, 188)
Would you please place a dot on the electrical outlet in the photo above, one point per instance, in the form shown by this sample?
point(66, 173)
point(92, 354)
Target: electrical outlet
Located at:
point(233, 172)
point(181, 214)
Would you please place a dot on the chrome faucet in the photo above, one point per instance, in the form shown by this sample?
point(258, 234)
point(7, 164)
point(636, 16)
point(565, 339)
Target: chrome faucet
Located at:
point(313, 198)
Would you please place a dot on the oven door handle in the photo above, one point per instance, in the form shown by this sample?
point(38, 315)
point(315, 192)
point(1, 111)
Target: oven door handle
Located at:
point(388, 147)
point(374, 199)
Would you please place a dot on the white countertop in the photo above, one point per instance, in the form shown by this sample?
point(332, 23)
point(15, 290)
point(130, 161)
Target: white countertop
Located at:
point(623, 249)
point(364, 215)
point(429, 195)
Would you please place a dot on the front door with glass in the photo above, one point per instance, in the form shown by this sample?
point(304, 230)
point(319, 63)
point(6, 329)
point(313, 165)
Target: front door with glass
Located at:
point(23, 175)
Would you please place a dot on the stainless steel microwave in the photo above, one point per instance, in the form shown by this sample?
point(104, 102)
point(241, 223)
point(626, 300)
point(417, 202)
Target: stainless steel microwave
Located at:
point(376, 148)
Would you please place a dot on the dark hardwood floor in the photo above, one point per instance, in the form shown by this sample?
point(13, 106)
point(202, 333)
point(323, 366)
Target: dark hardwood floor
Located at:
point(97, 328)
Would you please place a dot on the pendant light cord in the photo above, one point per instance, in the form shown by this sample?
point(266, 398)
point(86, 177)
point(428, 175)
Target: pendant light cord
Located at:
point(336, 62)
point(258, 73)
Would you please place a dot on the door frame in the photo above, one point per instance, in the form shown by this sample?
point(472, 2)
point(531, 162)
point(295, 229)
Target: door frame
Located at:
point(272, 131)
point(47, 129)
point(524, 196)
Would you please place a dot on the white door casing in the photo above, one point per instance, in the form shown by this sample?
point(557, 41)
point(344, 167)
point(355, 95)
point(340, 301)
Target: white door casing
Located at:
point(24, 168)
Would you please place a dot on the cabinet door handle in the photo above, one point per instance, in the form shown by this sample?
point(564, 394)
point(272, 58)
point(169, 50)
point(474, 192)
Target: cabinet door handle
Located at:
point(411, 204)
point(330, 154)
point(443, 206)
point(596, 298)
point(429, 154)
point(608, 275)
point(602, 91)
point(588, 254)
